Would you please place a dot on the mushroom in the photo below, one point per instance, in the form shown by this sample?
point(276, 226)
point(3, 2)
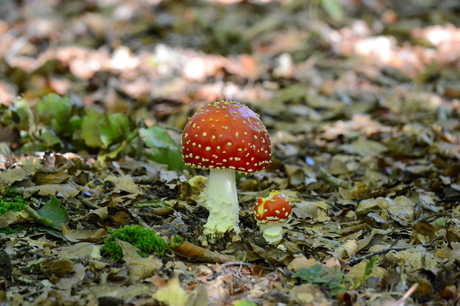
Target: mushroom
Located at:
point(225, 137)
point(271, 213)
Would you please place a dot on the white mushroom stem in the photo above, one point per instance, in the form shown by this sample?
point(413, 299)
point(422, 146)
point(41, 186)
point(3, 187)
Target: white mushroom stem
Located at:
point(273, 233)
point(222, 202)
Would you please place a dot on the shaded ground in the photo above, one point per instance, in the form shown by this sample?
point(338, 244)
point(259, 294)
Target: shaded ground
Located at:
point(360, 101)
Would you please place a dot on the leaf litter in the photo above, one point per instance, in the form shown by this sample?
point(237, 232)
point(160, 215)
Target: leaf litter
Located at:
point(361, 103)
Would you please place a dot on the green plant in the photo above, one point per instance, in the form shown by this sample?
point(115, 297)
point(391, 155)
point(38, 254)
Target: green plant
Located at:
point(56, 124)
point(368, 270)
point(161, 148)
point(316, 275)
point(144, 239)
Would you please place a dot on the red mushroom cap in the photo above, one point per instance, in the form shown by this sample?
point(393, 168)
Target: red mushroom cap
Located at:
point(272, 209)
point(226, 135)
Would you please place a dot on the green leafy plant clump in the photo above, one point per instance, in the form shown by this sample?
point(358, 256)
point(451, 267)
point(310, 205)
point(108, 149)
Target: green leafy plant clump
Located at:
point(144, 239)
point(57, 124)
point(11, 202)
point(316, 275)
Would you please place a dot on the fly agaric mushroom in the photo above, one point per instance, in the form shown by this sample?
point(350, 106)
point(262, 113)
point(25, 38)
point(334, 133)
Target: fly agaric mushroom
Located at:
point(225, 137)
point(271, 213)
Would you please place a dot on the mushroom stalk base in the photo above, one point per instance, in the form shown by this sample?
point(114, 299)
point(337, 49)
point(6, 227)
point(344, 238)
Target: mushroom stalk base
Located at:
point(222, 202)
point(273, 234)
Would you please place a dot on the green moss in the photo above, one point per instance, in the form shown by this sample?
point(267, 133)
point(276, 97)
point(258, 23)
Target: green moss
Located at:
point(11, 202)
point(13, 230)
point(142, 238)
point(176, 241)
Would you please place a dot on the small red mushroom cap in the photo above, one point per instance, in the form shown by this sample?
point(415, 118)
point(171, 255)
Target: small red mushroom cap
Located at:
point(273, 209)
point(226, 135)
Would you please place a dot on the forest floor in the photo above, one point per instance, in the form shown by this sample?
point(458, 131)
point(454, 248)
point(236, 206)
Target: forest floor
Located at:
point(362, 103)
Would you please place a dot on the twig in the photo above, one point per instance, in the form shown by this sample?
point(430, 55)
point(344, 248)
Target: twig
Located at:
point(430, 217)
point(88, 203)
point(234, 263)
point(334, 181)
point(356, 260)
point(402, 301)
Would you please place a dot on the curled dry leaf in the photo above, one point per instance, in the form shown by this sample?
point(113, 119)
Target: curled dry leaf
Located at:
point(187, 249)
point(348, 249)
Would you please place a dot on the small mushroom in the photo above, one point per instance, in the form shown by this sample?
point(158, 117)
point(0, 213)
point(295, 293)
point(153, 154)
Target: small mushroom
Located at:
point(271, 213)
point(225, 137)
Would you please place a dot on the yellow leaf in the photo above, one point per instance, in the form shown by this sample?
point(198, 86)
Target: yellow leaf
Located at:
point(172, 294)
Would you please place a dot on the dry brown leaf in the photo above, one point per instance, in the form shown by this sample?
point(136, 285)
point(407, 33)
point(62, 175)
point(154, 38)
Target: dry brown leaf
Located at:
point(50, 177)
point(65, 191)
point(124, 183)
point(11, 176)
point(81, 251)
point(139, 267)
point(11, 218)
point(186, 249)
point(309, 294)
point(302, 262)
point(84, 235)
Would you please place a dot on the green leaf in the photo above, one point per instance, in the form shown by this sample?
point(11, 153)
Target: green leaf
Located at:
point(55, 111)
point(156, 136)
point(23, 115)
point(75, 122)
point(314, 274)
point(311, 274)
point(49, 139)
point(116, 128)
point(167, 156)
point(244, 303)
point(368, 269)
point(113, 152)
point(52, 210)
point(336, 287)
point(439, 222)
point(91, 128)
point(333, 9)
point(162, 148)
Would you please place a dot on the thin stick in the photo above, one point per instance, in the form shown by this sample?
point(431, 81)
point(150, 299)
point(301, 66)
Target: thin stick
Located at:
point(356, 260)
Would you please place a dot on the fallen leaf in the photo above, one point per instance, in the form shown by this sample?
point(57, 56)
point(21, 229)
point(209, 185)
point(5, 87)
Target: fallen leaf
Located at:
point(172, 293)
point(84, 235)
point(139, 267)
point(364, 147)
point(81, 251)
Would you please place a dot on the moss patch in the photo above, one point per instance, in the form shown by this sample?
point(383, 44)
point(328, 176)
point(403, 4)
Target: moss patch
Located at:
point(13, 230)
point(142, 238)
point(11, 202)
